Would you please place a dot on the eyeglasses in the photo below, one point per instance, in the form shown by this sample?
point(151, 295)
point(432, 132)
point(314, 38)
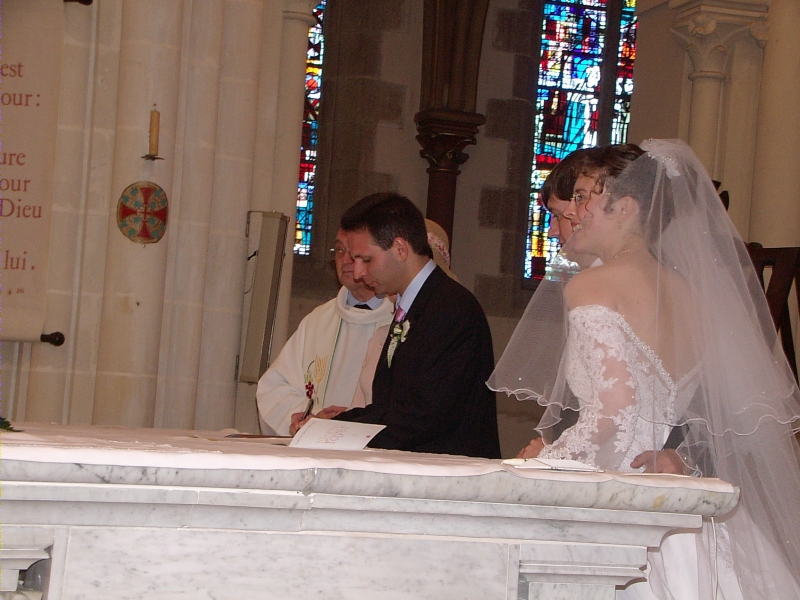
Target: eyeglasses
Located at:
point(338, 252)
point(580, 198)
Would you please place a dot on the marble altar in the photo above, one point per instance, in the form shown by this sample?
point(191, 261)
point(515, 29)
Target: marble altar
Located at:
point(112, 513)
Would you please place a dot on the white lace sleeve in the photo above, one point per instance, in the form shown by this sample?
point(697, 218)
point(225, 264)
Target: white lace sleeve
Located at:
point(599, 353)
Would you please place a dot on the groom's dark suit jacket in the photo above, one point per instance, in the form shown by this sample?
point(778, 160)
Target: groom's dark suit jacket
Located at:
point(434, 397)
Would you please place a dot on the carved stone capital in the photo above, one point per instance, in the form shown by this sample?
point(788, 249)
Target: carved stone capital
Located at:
point(708, 29)
point(759, 30)
point(443, 135)
point(734, 8)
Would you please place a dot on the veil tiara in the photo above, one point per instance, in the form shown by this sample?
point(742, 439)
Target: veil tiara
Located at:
point(665, 151)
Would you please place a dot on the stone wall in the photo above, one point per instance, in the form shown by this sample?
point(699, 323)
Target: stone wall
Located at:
point(355, 100)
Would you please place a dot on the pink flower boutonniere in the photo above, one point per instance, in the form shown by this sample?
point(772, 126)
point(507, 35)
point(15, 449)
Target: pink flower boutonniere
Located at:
point(398, 334)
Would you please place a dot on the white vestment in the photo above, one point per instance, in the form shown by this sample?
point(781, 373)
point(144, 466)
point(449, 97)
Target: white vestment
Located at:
point(321, 361)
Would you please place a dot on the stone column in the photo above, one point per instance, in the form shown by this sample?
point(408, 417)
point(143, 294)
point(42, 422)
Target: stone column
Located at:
point(98, 153)
point(231, 195)
point(775, 207)
point(297, 18)
point(269, 72)
point(130, 325)
point(708, 33)
point(182, 323)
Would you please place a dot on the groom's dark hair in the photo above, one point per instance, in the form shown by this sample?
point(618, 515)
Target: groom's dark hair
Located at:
point(386, 216)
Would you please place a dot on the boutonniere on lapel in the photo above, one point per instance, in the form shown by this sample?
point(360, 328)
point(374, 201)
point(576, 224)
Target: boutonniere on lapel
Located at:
point(398, 335)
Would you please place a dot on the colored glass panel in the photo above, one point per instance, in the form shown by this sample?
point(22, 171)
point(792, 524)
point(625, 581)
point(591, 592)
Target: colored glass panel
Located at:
point(573, 35)
point(625, 59)
point(308, 142)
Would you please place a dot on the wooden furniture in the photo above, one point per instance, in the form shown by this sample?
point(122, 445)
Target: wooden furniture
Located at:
point(785, 265)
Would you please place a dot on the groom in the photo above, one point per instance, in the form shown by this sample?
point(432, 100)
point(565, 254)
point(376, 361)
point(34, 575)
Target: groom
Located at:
point(429, 386)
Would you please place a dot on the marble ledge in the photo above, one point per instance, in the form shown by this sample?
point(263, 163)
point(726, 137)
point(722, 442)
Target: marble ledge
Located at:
point(49, 504)
point(211, 463)
point(498, 486)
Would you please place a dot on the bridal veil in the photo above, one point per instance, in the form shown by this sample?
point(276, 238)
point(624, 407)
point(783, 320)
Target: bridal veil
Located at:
point(738, 424)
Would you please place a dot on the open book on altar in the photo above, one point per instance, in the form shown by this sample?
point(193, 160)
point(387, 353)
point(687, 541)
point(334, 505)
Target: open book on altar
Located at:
point(550, 464)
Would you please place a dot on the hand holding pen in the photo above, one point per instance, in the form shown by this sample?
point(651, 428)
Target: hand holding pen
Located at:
point(299, 419)
point(307, 411)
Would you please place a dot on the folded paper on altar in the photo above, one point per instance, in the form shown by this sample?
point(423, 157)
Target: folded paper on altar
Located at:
point(325, 434)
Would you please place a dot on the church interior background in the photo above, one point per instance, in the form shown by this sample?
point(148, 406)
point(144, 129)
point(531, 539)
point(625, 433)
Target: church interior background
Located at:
point(248, 99)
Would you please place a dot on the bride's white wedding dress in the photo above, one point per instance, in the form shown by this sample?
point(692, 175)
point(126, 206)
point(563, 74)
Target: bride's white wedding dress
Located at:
point(709, 367)
point(627, 401)
point(626, 397)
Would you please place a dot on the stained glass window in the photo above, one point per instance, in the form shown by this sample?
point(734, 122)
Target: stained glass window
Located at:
point(570, 88)
point(308, 143)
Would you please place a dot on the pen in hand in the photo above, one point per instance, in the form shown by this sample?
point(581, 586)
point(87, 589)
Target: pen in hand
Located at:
point(308, 409)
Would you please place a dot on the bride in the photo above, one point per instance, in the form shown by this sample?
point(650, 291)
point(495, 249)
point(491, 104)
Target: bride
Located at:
point(671, 331)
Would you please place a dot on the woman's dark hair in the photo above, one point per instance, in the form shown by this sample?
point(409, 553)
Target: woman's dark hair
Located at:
point(629, 171)
point(608, 162)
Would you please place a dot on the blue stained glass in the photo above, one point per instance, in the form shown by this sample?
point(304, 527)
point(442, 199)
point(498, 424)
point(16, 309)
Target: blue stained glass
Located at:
point(309, 138)
point(573, 37)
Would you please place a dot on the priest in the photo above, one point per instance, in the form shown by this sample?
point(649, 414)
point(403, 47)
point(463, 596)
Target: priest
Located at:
point(320, 364)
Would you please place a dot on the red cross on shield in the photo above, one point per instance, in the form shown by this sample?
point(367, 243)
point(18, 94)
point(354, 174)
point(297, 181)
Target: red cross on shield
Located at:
point(142, 212)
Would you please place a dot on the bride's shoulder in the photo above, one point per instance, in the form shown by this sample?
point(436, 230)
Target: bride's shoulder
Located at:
point(594, 286)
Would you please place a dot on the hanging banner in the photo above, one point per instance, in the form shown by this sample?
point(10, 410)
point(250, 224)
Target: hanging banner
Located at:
point(30, 72)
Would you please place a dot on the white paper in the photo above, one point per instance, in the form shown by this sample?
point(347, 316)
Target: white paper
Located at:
point(550, 464)
point(327, 434)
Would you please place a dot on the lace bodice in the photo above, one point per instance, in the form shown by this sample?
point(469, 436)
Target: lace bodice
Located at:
point(627, 399)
